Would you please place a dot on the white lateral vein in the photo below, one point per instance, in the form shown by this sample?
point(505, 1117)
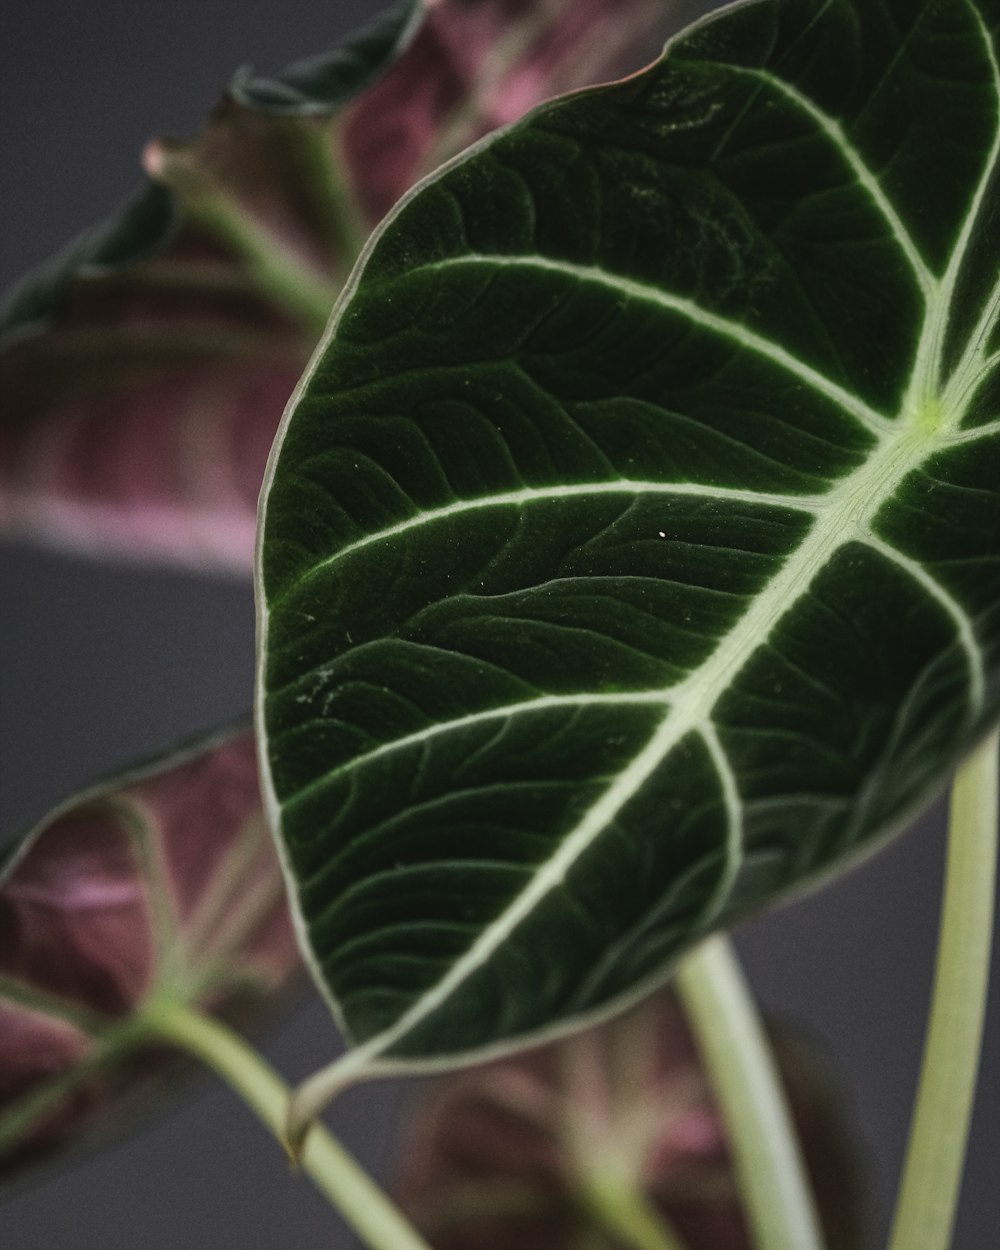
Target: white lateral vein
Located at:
point(734, 823)
point(990, 430)
point(421, 737)
point(926, 380)
point(960, 618)
point(545, 494)
point(872, 420)
point(974, 366)
point(836, 133)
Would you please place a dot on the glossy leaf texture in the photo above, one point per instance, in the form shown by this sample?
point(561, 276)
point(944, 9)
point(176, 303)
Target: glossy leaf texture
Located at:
point(163, 883)
point(506, 1154)
point(144, 372)
point(630, 556)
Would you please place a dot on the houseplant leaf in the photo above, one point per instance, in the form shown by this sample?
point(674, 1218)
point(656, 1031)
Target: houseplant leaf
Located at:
point(144, 371)
point(630, 551)
point(163, 882)
point(508, 1153)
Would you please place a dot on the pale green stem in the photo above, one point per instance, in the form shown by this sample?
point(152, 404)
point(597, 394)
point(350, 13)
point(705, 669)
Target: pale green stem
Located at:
point(321, 145)
point(932, 1175)
point(353, 1193)
point(273, 266)
point(626, 1213)
point(742, 1073)
point(605, 1165)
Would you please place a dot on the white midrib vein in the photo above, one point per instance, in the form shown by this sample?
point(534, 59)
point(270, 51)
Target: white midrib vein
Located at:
point(852, 509)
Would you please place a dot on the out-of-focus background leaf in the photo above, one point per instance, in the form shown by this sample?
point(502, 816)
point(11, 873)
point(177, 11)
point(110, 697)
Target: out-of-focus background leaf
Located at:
point(497, 1156)
point(89, 85)
point(160, 883)
point(143, 370)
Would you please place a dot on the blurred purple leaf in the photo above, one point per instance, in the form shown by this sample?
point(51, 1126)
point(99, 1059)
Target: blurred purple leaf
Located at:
point(476, 65)
point(143, 373)
point(164, 882)
point(491, 1158)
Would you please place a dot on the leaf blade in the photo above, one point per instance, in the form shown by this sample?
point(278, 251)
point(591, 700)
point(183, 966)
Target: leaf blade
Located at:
point(478, 388)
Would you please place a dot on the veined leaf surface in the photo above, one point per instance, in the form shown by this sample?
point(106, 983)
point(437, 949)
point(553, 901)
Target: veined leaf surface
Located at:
point(161, 883)
point(631, 555)
point(501, 1155)
point(143, 373)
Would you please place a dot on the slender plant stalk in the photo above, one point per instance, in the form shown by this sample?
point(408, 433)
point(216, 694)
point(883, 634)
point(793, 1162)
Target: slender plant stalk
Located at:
point(351, 1191)
point(626, 1213)
point(738, 1059)
point(274, 267)
point(604, 1162)
point(321, 145)
point(932, 1175)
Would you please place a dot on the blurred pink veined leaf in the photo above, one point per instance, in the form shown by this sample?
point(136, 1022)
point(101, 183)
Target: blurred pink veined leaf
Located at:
point(500, 1155)
point(144, 372)
point(160, 884)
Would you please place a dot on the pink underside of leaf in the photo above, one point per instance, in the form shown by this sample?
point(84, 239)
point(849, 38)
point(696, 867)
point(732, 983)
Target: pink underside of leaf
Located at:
point(493, 1155)
point(182, 852)
point(206, 540)
point(37, 1051)
point(203, 808)
point(392, 129)
point(139, 423)
point(273, 950)
point(633, 1084)
point(225, 886)
point(213, 811)
point(153, 442)
point(77, 911)
point(74, 917)
point(34, 1047)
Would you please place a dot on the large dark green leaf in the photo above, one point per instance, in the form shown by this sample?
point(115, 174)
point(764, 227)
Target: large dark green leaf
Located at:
point(631, 556)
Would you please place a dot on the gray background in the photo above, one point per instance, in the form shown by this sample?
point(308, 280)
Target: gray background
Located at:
point(105, 663)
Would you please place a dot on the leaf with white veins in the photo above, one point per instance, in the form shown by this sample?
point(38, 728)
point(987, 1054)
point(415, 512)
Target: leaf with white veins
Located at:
point(630, 553)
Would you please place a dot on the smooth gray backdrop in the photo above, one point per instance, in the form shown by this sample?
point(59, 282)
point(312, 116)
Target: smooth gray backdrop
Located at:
point(105, 663)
